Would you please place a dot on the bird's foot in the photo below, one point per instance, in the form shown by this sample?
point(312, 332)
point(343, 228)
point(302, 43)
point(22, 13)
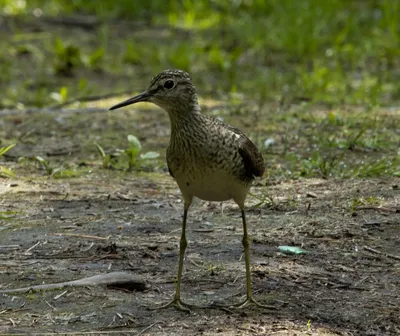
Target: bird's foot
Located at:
point(180, 305)
point(248, 301)
point(177, 303)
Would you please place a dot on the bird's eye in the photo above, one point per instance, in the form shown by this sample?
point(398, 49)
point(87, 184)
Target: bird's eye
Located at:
point(169, 84)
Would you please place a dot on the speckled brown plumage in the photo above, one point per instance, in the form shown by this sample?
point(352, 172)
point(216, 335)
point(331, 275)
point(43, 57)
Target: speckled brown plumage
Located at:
point(208, 158)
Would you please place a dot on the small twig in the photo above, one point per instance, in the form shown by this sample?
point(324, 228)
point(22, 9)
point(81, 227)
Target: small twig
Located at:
point(203, 230)
point(9, 246)
point(360, 281)
point(195, 263)
point(208, 281)
point(81, 236)
point(236, 279)
point(92, 332)
point(60, 295)
point(87, 249)
point(52, 307)
point(374, 223)
point(32, 247)
point(225, 309)
point(370, 249)
point(147, 328)
point(377, 208)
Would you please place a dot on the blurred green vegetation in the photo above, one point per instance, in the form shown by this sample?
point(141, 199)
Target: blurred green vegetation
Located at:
point(284, 60)
point(334, 51)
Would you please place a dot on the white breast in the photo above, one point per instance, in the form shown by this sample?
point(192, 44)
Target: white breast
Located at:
point(214, 186)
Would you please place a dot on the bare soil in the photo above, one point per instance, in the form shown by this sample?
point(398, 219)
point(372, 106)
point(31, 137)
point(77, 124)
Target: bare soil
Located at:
point(103, 221)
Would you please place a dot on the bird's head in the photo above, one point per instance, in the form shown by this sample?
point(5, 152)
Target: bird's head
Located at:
point(172, 90)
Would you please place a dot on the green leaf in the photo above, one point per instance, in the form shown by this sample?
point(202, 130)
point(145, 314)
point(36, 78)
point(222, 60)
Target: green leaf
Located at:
point(64, 93)
point(4, 215)
point(4, 150)
point(149, 155)
point(134, 143)
point(60, 97)
point(59, 46)
point(101, 151)
point(97, 56)
point(40, 159)
point(82, 84)
point(5, 172)
point(292, 250)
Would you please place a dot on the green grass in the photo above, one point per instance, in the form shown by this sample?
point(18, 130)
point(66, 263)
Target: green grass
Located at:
point(366, 201)
point(333, 52)
point(341, 143)
point(4, 172)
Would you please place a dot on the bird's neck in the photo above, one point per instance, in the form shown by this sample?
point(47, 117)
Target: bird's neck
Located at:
point(184, 115)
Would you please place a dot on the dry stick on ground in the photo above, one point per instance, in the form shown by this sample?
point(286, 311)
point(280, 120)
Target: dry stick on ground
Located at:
point(94, 332)
point(377, 208)
point(81, 236)
point(147, 328)
point(9, 246)
point(370, 249)
point(115, 279)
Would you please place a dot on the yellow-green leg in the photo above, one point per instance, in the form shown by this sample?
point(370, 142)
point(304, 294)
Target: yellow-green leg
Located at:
point(249, 293)
point(176, 301)
point(179, 304)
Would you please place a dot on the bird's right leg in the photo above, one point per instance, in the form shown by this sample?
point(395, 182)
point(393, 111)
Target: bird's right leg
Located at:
point(176, 301)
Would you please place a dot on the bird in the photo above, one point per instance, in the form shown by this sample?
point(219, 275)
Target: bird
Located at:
point(208, 159)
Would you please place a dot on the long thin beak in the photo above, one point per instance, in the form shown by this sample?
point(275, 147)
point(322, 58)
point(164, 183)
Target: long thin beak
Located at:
point(141, 97)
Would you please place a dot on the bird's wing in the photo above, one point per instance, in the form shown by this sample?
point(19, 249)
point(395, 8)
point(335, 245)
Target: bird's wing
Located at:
point(170, 171)
point(252, 159)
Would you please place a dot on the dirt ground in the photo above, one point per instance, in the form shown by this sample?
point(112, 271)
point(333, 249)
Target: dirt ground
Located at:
point(103, 221)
